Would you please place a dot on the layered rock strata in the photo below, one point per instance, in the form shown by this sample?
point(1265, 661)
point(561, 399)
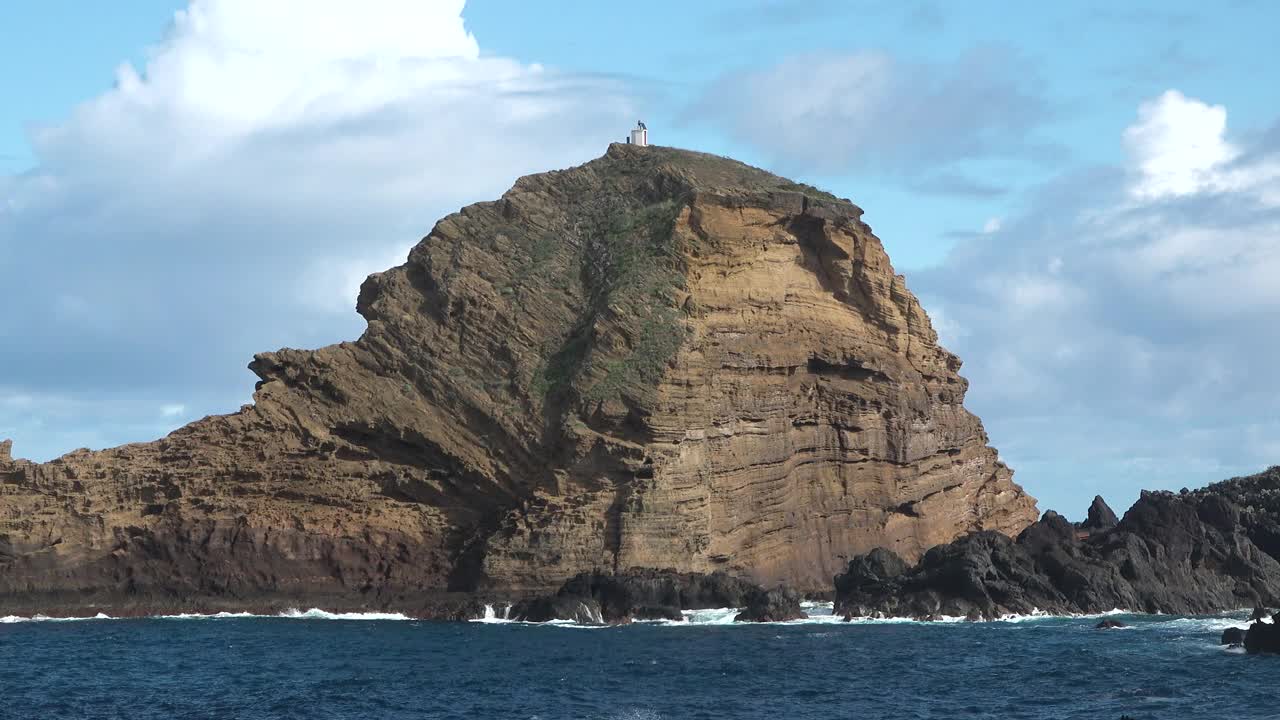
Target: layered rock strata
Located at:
point(657, 359)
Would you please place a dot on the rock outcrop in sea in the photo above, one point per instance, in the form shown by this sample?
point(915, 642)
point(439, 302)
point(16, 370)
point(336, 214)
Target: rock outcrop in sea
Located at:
point(658, 359)
point(1263, 637)
point(657, 595)
point(1197, 552)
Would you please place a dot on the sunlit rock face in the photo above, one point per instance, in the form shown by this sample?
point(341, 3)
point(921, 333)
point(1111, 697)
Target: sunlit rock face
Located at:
point(658, 359)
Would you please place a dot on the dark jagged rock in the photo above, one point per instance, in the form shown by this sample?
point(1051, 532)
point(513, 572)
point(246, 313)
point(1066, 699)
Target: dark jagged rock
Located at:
point(1199, 552)
point(582, 610)
point(659, 594)
point(641, 594)
point(1233, 636)
point(1101, 516)
point(869, 578)
point(1259, 614)
point(1262, 638)
point(1110, 625)
point(777, 605)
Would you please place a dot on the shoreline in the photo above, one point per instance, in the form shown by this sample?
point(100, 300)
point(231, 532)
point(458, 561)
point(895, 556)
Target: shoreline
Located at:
point(489, 616)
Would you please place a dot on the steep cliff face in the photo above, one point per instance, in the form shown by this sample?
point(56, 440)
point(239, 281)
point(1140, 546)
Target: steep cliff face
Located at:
point(657, 359)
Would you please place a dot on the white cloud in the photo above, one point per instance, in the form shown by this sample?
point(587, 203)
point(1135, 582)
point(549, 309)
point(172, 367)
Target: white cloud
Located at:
point(330, 282)
point(992, 225)
point(949, 332)
point(173, 410)
point(1177, 145)
point(1139, 317)
point(1178, 148)
point(832, 112)
point(229, 197)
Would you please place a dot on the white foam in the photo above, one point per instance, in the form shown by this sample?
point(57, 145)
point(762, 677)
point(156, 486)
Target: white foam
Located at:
point(636, 714)
point(491, 616)
point(45, 618)
point(1205, 624)
point(211, 616)
point(823, 613)
point(712, 616)
point(819, 614)
point(291, 614)
point(318, 614)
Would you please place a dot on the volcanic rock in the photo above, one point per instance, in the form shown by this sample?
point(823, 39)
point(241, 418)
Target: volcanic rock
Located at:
point(1101, 517)
point(581, 610)
point(1199, 552)
point(1233, 636)
point(777, 605)
point(657, 359)
point(1110, 625)
point(646, 594)
point(1262, 638)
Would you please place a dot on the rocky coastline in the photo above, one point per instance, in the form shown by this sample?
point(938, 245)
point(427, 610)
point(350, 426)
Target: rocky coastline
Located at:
point(1194, 552)
point(1189, 553)
point(658, 382)
point(657, 359)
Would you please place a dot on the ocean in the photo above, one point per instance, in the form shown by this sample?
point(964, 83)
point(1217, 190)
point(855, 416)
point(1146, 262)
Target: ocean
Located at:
point(318, 665)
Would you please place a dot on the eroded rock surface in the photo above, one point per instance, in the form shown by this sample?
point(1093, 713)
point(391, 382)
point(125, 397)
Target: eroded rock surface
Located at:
point(641, 594)
point(1262, 637)
point(777, 605)
point(1197, 552)
point(657, 359)
point(1100, 517)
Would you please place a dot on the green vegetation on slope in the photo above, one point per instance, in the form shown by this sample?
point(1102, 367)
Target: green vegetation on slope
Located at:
point(630, 327)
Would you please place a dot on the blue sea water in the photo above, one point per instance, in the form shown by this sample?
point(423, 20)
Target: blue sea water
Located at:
point(316, 665)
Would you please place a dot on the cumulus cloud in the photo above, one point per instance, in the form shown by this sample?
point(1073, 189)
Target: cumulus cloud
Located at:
point(1179, 148)
point(229, 196)
point(1177, 145)
point(1120, 334)
point(832, 113)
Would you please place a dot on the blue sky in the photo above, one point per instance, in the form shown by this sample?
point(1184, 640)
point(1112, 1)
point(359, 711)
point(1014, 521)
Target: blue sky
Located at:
point(1084, 197)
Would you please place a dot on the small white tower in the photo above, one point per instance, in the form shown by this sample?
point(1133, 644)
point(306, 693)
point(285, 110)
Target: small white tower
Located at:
point(639, 136)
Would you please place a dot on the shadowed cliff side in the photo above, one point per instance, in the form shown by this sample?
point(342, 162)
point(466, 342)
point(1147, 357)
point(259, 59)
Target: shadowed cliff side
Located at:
point(657, 359)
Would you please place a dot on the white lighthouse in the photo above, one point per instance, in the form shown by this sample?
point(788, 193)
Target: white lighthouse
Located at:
point(639, 135)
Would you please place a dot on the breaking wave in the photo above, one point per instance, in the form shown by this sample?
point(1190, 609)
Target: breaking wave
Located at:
point(7, 619)
point(317, 614)
point(822, 613)
point(291, 614)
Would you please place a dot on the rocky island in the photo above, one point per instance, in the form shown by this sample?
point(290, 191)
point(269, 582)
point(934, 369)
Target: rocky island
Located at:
point(660, 359)
point(659, 381)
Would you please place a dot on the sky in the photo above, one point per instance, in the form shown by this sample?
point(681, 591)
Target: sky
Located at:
point(1086, 198)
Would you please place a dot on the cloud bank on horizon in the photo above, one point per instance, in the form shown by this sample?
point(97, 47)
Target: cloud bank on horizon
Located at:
point(1123, 328)
point(1116, 318)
